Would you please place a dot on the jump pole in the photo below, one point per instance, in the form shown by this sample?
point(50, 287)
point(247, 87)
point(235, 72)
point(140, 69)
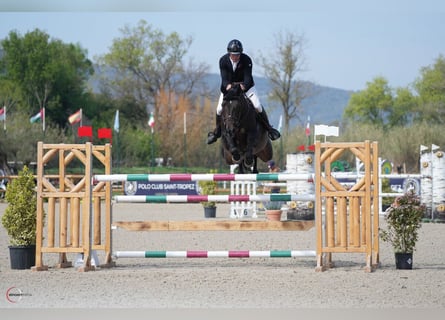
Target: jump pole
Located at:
point(203, 177)
point(213, 198)
point(216, 254)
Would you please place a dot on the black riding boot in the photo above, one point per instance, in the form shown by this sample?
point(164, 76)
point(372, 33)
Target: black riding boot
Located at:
point(213, 136)
point(274, 134)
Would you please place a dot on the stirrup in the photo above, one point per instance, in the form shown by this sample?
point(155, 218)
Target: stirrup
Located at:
point(274, 134)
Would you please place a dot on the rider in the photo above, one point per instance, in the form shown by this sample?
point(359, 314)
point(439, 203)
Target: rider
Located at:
point(236, 66)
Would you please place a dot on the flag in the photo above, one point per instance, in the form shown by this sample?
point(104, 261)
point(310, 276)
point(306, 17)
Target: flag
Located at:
point(325, 130)
point(37, 117)
point(185, 123)
point(75, 117)
point(116, 121)
point(308, 127)
point(423, 148)
point(151, 120)
point(104, 133)
point(434, 147)
point(3, 117)
point(85, 131)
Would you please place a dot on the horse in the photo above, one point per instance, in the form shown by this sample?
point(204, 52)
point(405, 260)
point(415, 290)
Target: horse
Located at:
point(244, 138)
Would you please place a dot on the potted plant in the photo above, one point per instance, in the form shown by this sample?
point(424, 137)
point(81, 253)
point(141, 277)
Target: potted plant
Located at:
point(20, 219)
point(208, 188)
point(403, 220)
point(273, 210)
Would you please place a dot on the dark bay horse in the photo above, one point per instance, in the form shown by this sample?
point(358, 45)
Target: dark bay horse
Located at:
point(243, 136)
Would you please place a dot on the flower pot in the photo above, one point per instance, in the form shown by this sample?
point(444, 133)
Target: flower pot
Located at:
point(22, 257)
point(404, 260)
point(273, 215)
point(210, 212)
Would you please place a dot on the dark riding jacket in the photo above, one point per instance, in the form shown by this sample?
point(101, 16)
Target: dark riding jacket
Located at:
point(242, 73)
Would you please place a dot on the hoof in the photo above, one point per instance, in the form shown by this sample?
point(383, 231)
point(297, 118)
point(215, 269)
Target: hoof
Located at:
point(236, 157)
point(248, 162)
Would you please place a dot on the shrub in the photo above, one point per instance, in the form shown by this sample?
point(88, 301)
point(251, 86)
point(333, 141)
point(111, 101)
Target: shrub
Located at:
point(20, 215)
point(404, 219)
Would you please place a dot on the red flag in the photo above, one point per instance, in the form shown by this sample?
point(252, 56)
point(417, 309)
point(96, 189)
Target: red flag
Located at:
point(85, 131)
point(104, 133)
point(312, 147)
point(301, 148)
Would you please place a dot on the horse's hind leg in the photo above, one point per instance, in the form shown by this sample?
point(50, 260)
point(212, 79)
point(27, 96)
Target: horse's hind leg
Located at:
point(255, 162)
point(267, 153)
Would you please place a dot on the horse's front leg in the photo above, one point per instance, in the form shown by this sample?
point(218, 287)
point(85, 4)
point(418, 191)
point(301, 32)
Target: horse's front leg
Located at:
point(249, 159)
point(232, 147)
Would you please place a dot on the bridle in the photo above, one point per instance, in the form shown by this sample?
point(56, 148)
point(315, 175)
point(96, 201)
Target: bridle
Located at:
point(235, 115)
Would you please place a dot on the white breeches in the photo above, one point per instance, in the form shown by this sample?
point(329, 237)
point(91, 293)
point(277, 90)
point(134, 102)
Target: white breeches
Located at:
point(251, 94)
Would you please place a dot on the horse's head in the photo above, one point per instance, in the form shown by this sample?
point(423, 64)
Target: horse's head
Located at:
point(234, 93)
point(234, 108)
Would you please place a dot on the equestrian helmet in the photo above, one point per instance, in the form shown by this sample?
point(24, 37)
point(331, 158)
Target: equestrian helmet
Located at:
point(235, 46)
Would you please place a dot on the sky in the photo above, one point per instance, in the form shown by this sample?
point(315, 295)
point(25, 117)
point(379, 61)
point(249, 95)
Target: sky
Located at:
point(347, 43)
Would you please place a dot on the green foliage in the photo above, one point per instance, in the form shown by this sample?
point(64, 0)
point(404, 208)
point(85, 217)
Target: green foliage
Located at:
point(273, 205)
point(208, 188)
point(135, 147)
point(386, 188)
point(430, 87)
point(371, 105)
point(146, 61)
point(403, 220)
point(19, 218)
point(399, 145)
point(19, 142)
point(49, 73)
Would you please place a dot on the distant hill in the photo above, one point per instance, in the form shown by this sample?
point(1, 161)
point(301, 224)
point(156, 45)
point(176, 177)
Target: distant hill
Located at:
point(325, 106)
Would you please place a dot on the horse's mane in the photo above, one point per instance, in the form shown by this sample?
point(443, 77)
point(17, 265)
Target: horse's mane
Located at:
point(233, 93)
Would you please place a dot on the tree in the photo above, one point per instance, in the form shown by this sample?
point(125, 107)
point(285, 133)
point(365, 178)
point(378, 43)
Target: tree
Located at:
point(19, 142)
point(430, 87)
point(49, 73)
point(282, 67)
point(372, 105)
point(10, 94)
point(147, 68)
point(144, 62)
point(404, 108)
